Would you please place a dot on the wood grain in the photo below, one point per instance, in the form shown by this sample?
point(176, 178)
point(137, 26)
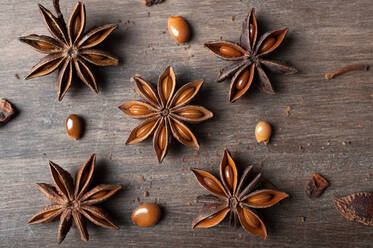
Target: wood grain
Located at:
point(323, 35)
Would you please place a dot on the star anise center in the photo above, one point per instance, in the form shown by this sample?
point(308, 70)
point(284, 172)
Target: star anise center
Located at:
point(72, 51)
point(73, 204)
point(165, 112)
point(233, 202)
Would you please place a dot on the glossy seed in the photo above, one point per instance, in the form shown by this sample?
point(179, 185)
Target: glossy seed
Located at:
point(148, 92)
point(242, 80)
point(251, 32)
point(162, 138)
point(260, 198)
point(228, 172)
point(263, 132)
point(146, 215)
point(267, 44)
point(183, 132)
point(46, 215)
point(192, 114)
point(166, 86)
point(185, 95)
point(211, 184)
point(137, 109)
point(144, 129)
point(251, 219)
point(74, 126)
point(99, 194)
point(229, 51)
point(178, 29)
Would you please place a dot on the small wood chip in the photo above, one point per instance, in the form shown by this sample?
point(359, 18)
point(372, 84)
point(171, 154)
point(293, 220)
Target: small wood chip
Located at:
point(233, 18)
point(141, 178)
point(302, 219)
point(300, 148)
point(16, 76)
point(146, 193)
point(288, 109)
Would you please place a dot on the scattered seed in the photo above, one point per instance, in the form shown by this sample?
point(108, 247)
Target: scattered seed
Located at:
point(288, 109)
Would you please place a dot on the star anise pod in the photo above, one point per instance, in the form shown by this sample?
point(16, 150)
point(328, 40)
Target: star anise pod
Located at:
point(232, 196)
point(248, 56)
point(164, 111)
point(69, 49)
point(74, 202)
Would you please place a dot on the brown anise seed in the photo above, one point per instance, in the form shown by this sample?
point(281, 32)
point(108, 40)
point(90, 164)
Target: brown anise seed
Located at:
point(99, 194)
point(178, 28)
point(251, 32)
point(260, 198)
point(229, 175)
point(46, 215)
point(242, 80)
point(229, 51)
point(263, 132)
point(185, 95)
point(162, 138)
point(183, 132)
point(74, 126)
point(139, 110)
point(267, 44)
point(166, 86)
point(211, 184)
point(146, 215)
point(193, 114)
point(144, 129)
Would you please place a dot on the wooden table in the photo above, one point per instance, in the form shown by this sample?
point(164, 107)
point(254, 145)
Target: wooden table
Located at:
point(330, 120)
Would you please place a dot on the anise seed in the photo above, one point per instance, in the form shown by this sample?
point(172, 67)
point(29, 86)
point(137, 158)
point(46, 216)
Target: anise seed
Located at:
point(74, 126)
point(211, 184)
point(260, 198)
point(251, 32)
point(185, 95)
point(162, 138)
point(146, 215)
point(166, 86)
point(192, 114)
point(267, 44)
point(179, 29)
point(144, 129)
point(183, 132)
point(228, 172)
point(139, 110)
point(263, 132)
point(242, 80)
point(229, 51)
point(99, 194)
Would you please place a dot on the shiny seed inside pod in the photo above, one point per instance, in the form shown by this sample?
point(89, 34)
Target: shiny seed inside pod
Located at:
point(146, 215)
point(229, 51)
point(179, 29)
point(263, 132)
point(260, 198)
point(74, 126)
point(243, 79)
point(267, 44)
point(228, 172)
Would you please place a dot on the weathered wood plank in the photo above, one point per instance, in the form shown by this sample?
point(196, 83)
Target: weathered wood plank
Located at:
point(323, 36)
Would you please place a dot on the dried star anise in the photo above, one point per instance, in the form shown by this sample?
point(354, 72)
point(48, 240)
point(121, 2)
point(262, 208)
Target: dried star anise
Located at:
point(232, 196)
point(74, 203)
point(356, 207)
point(164, 111)
point(69, 50)
point(248, 57)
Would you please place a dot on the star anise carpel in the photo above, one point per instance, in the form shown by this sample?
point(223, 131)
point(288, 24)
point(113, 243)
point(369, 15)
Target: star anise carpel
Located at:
point(249, 58)
point(232, 195)
point(74, 203)
point(165, 112)
point(69, 49)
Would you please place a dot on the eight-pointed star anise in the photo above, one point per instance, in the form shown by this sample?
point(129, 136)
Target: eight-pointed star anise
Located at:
point(232, 196)
point(248, 57)
point(74, 203)
point(165, 111)
point(69, 49)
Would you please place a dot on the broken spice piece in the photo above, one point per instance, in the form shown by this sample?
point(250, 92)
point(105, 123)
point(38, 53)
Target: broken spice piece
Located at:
point(146, 215)
point(356, 67)
point(164, 112)
point(179, 29)
point(74, 127)
point(151, 2)
point(356, 207)
point(248, 58)
point(234, 196)
point(6, 111)
point(263, 132)
point(70, 49)
point(74, 202)
point(316, 186)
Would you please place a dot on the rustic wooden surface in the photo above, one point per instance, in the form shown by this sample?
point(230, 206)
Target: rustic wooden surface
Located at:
point(323, 36)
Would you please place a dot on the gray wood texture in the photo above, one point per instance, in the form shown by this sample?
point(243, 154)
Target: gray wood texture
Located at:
point(323, 35)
